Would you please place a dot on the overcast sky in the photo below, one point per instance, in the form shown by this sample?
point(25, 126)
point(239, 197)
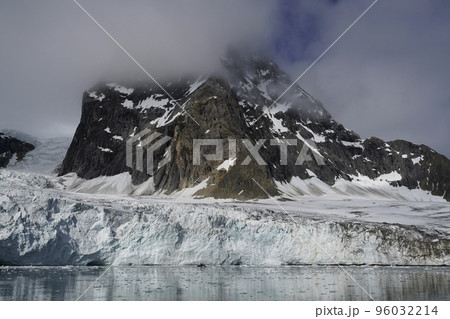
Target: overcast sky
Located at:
point(389, 76)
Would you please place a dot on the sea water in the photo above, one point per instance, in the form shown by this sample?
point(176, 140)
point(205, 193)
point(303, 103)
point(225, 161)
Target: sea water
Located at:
point(225, 283)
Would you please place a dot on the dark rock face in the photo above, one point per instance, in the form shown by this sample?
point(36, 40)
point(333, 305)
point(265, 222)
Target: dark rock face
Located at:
point(10, 146)
point(98, 147)
point(243, 105)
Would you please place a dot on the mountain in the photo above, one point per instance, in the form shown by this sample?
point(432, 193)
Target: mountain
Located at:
point(344, 217)
point(242, 105)
point(12, 150)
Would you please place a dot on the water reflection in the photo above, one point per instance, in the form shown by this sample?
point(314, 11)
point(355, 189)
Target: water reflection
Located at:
point(225, 283)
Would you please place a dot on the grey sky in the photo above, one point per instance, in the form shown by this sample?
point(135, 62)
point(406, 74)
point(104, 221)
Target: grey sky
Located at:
point(388, 77)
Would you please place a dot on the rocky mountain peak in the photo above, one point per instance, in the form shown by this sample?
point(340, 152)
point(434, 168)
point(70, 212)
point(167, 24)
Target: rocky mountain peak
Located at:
point(241, 108)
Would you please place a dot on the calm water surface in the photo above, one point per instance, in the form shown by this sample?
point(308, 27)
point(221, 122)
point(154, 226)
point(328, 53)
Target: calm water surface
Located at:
point(225, 283)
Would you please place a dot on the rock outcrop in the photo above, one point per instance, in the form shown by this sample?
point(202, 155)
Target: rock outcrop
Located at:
point(12, 149)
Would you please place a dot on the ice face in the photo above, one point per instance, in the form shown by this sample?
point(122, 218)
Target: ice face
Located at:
point(41, 224)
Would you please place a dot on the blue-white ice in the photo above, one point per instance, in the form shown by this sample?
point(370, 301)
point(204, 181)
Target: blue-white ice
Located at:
point(41, 223)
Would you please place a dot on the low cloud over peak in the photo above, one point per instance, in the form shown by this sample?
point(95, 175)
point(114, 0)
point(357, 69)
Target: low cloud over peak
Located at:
point(387, 77)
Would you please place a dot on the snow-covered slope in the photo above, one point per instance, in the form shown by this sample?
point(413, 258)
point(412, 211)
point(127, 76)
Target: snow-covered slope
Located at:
point(360, 187)
point(297, 189)
point(40, 224)
point(46, 156)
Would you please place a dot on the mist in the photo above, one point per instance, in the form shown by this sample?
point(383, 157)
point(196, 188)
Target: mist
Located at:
point(387, 77)
point(52, 51)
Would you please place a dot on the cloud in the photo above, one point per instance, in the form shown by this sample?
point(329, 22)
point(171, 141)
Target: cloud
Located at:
point(51, 51)
point(388, 76)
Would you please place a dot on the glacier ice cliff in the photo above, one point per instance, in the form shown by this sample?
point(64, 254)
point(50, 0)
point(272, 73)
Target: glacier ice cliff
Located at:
point(40, 224)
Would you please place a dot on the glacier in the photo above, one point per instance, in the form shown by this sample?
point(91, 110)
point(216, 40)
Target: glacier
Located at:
point(43, 223)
